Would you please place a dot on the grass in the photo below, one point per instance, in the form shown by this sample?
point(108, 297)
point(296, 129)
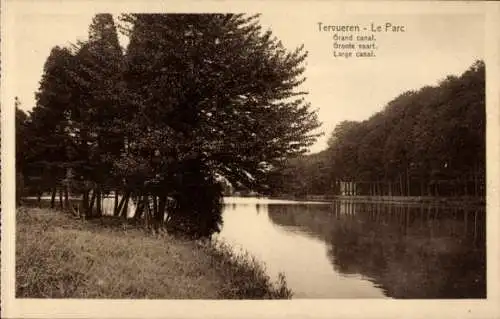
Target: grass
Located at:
point(58, 256)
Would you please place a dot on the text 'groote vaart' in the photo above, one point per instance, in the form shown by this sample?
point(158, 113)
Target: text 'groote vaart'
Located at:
point(356, 40)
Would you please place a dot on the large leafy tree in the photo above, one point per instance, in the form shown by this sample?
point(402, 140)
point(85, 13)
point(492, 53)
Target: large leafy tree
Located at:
point(218, 95)
point(226, 87)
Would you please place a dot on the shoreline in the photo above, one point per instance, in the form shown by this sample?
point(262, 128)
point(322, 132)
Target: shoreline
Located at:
point(451, 201)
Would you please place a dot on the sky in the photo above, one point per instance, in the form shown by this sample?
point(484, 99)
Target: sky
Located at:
point(432, 47)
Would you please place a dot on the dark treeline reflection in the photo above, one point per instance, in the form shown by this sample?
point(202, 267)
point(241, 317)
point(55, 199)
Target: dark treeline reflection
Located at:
point(408, 251)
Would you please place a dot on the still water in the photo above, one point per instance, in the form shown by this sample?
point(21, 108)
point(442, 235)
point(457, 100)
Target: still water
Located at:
point(363, 250)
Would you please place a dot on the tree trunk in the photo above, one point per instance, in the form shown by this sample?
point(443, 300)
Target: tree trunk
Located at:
point(139, 210)
point(476, 187)
point(39, 199)
point(92, 201)
point(408, 183)
point(401, 185)
point(66, 197)
point(124, 211)
point(85, 203)
point(155, 205)
point(99, 202)
point(53, 197)
point(421, 186)
point(147, 211)
point(61, 206)
point(115, 206)
point(161, 209)
point(466, 182)
point(120, 205)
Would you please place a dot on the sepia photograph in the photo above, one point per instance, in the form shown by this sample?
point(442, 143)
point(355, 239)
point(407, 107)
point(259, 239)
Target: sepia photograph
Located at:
point(249, 153)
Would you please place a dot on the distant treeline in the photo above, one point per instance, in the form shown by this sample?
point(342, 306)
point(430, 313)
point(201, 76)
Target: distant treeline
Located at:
point(429, 142)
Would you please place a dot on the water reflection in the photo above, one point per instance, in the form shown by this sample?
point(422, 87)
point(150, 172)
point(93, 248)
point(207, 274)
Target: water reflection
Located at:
point(361, 250)
point(303, 259)
point(408, 251)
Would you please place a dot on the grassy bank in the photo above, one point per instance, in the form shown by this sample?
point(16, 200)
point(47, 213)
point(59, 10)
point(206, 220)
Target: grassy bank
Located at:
point(58, 256)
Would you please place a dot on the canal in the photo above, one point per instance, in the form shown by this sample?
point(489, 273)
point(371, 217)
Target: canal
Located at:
point(349, 249)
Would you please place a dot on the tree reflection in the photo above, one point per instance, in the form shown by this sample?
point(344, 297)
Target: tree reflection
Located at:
point(409, 251)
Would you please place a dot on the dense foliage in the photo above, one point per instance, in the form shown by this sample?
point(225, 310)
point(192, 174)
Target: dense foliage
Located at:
point(428, 142)
point(195, 98)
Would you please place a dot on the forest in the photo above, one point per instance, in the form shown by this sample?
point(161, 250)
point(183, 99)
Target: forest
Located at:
point(194, 99)
point(426, 142)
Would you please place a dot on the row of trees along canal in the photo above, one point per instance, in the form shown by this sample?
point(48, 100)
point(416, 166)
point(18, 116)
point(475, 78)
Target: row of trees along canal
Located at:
point(428, 142)
point(194, 97)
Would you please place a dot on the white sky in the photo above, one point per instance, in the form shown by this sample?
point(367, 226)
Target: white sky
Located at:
point(432, 47)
